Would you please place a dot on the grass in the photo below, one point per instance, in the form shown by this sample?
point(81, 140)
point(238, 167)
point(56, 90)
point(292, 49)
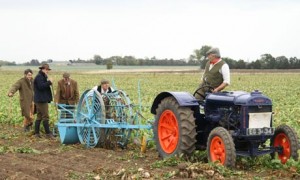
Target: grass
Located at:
point(282, 88)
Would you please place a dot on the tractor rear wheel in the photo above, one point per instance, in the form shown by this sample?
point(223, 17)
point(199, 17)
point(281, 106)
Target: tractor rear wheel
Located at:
point(286, 138)
point(220, 147)
point(174, 129)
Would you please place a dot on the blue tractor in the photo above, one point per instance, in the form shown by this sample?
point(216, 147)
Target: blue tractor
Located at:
point(226, 124)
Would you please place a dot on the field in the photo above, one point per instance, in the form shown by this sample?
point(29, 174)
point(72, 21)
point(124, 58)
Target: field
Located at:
point(22, 156)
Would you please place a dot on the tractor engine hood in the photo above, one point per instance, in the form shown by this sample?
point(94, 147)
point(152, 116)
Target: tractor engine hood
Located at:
point(238, 98)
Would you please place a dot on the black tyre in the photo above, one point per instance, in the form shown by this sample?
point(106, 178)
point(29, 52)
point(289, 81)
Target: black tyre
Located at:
point(220, 147)
point(286, 138)
point(174, 129)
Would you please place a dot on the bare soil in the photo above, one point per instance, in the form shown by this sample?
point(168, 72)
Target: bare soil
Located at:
point(22, 156)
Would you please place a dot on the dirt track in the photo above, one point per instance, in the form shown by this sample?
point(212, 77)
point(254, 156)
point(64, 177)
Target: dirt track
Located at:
point(25, 157)
point(29, 158)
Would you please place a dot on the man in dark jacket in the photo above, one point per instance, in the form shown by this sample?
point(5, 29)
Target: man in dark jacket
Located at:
point(42, 96)
point(25, 88)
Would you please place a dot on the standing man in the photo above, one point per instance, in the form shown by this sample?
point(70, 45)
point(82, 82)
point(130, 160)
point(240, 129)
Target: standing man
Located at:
point(25, 88)
point(67, 93)
point(42, 96)
point(216, 74)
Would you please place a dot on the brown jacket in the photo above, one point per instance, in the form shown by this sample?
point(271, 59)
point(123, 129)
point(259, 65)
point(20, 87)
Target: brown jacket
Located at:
point(25, 88)
point(60, 96)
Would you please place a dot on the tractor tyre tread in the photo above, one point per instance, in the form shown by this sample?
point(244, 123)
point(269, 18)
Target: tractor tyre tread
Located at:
point(293, 139)
point(186, 124)
point(230, 151)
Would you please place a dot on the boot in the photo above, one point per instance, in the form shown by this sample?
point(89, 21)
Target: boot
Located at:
point(30, 126)
point(38, 136)
point(26, 125)
point(37, 128)
point(46, 126)
point(49, 135)
point(26, 128)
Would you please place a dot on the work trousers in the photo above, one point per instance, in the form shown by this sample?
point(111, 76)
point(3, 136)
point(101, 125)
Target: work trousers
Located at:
point(28, 116)
point(200, 93)
point(42, 111)
point(42, 115)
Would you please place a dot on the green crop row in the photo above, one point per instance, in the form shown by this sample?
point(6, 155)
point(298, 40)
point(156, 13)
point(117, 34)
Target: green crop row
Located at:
point(283, 89)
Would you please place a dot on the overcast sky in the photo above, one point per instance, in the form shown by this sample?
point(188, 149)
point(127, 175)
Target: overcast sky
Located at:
point(71, 29)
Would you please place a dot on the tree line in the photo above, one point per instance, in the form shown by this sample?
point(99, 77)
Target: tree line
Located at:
point(266, 61)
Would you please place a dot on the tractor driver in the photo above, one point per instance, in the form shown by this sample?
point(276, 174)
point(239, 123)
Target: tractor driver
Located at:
point(216, 75)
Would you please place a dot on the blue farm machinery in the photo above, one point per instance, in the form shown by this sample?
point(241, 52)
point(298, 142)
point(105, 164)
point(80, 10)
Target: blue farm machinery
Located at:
point(226, 124)
point(104, 120)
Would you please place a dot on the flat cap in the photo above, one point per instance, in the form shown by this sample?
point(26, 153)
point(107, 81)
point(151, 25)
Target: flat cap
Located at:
point(66, 75)
point(214, 51)
point(104, 81)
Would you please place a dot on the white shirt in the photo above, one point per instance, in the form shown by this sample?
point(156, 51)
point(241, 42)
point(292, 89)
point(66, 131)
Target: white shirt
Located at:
point(224, 71)
point(102, 90)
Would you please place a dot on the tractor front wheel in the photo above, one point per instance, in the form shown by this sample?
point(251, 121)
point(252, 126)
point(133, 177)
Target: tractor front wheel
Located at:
point(220, 147)
point(286, 138)
point(174, 129)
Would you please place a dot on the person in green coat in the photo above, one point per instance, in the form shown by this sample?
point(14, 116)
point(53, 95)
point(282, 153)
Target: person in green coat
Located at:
point(216, 75)
point(25, 88)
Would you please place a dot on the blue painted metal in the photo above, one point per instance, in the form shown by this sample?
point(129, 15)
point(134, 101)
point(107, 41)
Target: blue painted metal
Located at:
point(238, 98)
point(67, 133)
point(90, 112)
point(231, 110)
point(112, 125)
point(100, 116)
point(183, 99)
point(120, 112)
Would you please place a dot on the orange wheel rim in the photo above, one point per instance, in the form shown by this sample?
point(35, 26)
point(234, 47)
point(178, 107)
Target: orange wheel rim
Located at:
point(217, 150)
point(283, 141)
point(168, 133)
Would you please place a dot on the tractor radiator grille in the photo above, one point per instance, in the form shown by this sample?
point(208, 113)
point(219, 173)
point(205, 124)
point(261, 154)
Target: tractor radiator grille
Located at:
point(260, 120)
point(257, 109)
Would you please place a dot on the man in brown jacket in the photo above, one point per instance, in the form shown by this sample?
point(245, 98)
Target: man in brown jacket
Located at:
point(67, 93)
point(25, 88)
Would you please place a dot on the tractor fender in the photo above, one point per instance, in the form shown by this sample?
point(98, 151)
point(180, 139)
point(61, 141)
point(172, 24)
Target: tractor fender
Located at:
point(183, 99)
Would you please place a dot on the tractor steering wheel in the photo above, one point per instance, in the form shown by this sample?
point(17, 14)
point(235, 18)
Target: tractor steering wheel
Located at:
point(210, 89)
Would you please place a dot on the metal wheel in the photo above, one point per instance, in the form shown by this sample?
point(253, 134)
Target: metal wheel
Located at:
point(90, 112)
point(168, 132)
point(220, 147)
point(286, 138)
point(174, 129)
point(118, 110)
